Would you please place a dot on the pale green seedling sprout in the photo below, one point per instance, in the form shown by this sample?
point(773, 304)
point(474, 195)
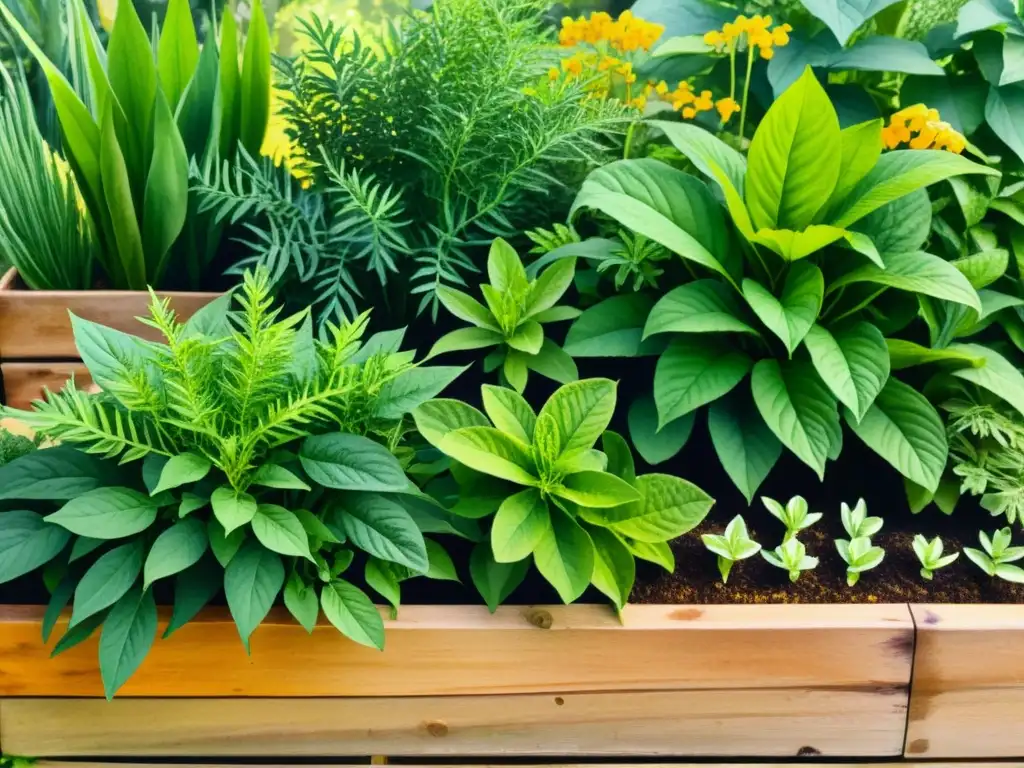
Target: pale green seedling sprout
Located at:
point(794, 515)
point(735, 544)
point(930, 555)
point(860, 555)
point(856, 520)
point(791, 556)
point(997, 555)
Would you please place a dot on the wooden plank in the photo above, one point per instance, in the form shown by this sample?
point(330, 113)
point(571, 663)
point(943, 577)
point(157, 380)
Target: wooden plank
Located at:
point(967, 693)
point(462, 650)
point(751, 722)
point(34, 325)
point(25, 382)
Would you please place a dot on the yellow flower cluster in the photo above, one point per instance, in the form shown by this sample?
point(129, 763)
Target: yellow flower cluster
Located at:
point(625, 34)
point(758, 31)
point(932, 133)
point(601, 72)
point(689, 103)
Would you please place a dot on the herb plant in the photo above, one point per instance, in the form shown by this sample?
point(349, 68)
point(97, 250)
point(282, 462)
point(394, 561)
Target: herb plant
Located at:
point(581, 513)
point(735, 544)
point(856, 521)
point(860, 555)
point(791, 556)
point(794, 515)
point(253, 457)
point(996, 555)
point(517, 308)
point(929, 553)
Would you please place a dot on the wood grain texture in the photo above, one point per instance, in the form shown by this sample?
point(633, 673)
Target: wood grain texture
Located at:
point(967, 694)
point(769, 723)
point(463, 650)
point(25, 382)
point(34, 325)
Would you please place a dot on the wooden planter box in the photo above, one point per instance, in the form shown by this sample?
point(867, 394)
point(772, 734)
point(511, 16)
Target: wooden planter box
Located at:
point(37, 347)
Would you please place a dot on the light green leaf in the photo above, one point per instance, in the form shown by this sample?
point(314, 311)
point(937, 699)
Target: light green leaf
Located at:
point(746, 447)
point(117, 193)
point(903, 428)
point(349, 609)
point(694, 372)
point(281, 531)
point(581, 410)
point(436, 418)
point(791, 317)
point(128, 633)
point(669, 507)
point(983, 268)
point(252, 581)
point(180, 470)
point(620, 459)
point(598, 490)
point(659, 554)
point(614, 567)
point(381, 577)
point(509, 412)
point(900, 226)
point(493, 580)
point(107, 513)
point(441, 566)
point(654, 445)
point(518, 526)
point(998, 375)
point(712, 156)
point(514, 369)
point(174, 550)
point(300, 600)
point(853, 362)
point(565, 556)
point(612, 328)
point(347, 462)
point(106, 581)
point(861, 148)
point(917, 272)
point(793, 246)
point(27, 542)
point(274, 476)
point(792, 163)
point(465, 338)
point(528, 337)
point(492, 452)
point(56, 474)
point(178, 53)
point(255, 81)
point(384, 529)
point(1004, 113)
point(798, 408)
point(550, 286)
point(466, 308)
point(232, 509)
point(907, 354)
point(413, 387)
point(505, 271)
point(701, 306)
point(165, 201)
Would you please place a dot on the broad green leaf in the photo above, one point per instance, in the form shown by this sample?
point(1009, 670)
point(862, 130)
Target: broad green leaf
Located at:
point(128, 633)
point(232, 509)
point(791, 316)
point(612, 328)
point(411, 388)
point(274, 476)
point(230, 87)
point(384, 529)
point(301, 601)
point(518, 526)
point(669, 507)
point(903, 428)
point(117, 194)
point(798, 409)
point(180, 470)
point(281, 531)
point(901, 226)
point(106, 581)
point(907, 354)
point(1004, 113)
point(347, 462)
point(917, 272)
point(620, 459)
point(793, 246)
point(998, 375)
point(492, 452)
point(861, 148)
point(960, 98)
point(550, 286)
point(59, 600)
point(565, 556)
point(224, 545)
point(114, 358)
point(898, 173)
point(883, 53)
point(663, 204)
point(653, 444)
point(466, 308)
point(465, 338)
point(983, 14)
point(107, 513)
point(983, 268)
point(510, 412)
point(177, 548)
point(853, 362)
point(255, 81)
point(659, 554)
point(27, 542)
point(701, 306)
point(349, 609)
point(694, 372)
point(528, 337)
point(514, 369)
point(505, 271)
point(381, 577)
point(792, 163)
point(746, 447)
point(441, 566)
point(178, 52)
point(252, 581)
point(493, 580)
point(436, 418)
point(79, 633)
point(193, 589)
point(614, 567)
point(598, 490)
point(60, 473)
point(712, 156)
point(581, 411)
point(843, 17)
point(551, 362)
point(315, 528)
point(83, 546)
point(165, 201)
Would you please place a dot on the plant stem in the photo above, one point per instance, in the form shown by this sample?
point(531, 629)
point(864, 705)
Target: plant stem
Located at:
point(629, 140)
point(746, 89)
point(732, 69)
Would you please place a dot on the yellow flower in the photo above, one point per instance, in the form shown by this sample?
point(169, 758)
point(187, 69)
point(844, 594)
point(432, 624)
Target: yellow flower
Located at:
point(607, 62)
point(932, 132)
point(661, 88)
point(689, 113)
point(727, 107)
point(767, 53)
point(715, 38)
point(573, 65)
point(703, 103)
point(553, 73)
point(639, 102)
point(780, 35)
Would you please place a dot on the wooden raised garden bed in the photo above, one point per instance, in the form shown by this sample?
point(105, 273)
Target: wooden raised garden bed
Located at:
point(37, 347)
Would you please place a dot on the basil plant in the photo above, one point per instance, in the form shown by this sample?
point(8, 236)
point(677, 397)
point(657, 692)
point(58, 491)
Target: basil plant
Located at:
point(800, 272)
point(252, 459)
point(581, 514)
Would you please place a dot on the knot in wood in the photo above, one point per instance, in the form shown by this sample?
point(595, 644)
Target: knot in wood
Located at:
point(540, 618)
point(437, 728)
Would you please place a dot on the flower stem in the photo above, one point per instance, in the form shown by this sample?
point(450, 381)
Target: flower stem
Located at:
point(629, 140)
point(746, 89)
point(732, 69)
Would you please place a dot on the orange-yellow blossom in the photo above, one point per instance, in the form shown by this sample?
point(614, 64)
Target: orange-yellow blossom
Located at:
point(932, 132)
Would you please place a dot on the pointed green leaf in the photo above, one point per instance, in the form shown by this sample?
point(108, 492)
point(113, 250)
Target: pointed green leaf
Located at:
point(792, 315)
point(493, 580)
point(176, 549)
point(694, 372)
point(232, 510)
point(614, 567)
point(252, 581)
point(281, 531)
point(178, 52)
point(128, 633)
point(917, 272)
point(255, 81)
point(27, 542)
point(180, 470)
point(565, 556)
point(106, 581)
point(701, 306)
point(853, 363)
point(653, 444)
point(746, 447)
point(107, 513)
point(519, 526)
point(349, 609)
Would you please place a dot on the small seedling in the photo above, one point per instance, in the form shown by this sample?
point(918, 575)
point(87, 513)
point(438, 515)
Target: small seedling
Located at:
point(734, 545)
point(857, 523)
point(930, 555)
point(860, 555)
point(791, 556)
point(794, 515)
point(997, 555)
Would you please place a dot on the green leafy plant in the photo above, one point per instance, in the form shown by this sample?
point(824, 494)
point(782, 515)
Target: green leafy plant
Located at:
point(791, 556)
point(856, 521)
point(582, 514)
point(860, 555)
point(996, 555)
point(929, 553)
point(517, 308)
point(268, 462)
point(795, 515)
point(735, 544)
point(130, 142)
point(14, 446)
point(799, 302)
